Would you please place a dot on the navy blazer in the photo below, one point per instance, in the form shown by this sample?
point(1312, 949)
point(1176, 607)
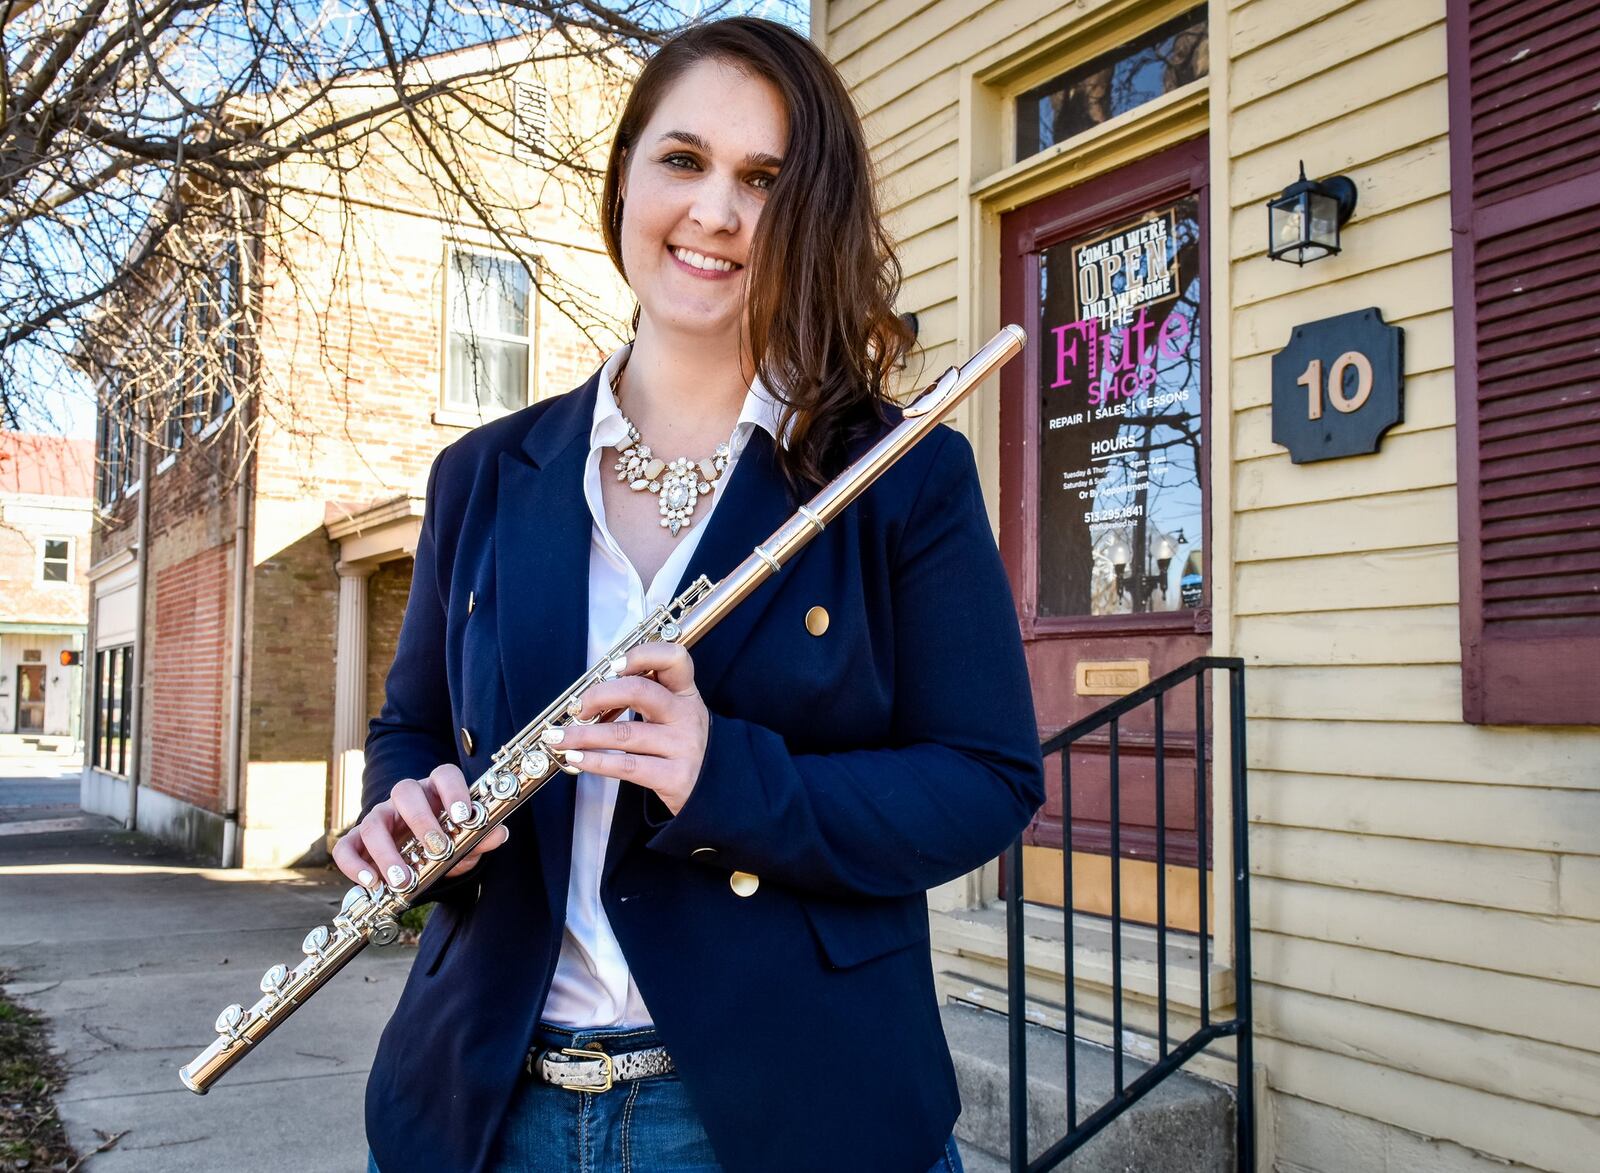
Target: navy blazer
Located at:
point(850, 771)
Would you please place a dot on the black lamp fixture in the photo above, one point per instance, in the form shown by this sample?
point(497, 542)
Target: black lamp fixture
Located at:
point(1162, 550)
point(1303, 223)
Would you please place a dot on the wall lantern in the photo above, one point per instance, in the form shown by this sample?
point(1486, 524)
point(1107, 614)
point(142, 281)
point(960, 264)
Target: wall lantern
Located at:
point(1303, 223)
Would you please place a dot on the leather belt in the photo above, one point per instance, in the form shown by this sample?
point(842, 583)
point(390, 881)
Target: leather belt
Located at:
point(592, 1070)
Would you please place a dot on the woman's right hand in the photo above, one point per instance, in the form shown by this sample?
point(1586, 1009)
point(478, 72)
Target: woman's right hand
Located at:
point(368, 850)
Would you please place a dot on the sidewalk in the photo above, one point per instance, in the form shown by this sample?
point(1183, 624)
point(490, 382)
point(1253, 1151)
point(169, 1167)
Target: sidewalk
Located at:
point(34, 744)
point(130, 953)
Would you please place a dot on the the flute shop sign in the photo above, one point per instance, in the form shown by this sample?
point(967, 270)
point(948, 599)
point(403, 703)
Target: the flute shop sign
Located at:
point(1121, 385)
point(1338, 386)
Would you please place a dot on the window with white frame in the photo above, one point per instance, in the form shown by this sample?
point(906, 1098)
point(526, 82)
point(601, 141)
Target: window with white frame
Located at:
point(55, 560)
point(214, 344)
point(197, 387)
point(116, 446)
point(229, 303)
point(173, 434)
point(109, 723)
point(487, 354)
point(530, 122)
point(110, 449)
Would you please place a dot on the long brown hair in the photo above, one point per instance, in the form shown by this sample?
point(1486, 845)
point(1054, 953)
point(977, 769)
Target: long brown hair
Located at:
point(822, 275)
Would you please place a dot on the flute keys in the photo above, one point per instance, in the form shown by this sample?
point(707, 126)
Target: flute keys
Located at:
point(316, 942)
point(230, 1020)
point(535, 765)
point(273, 980)
point(504, 785)
point(351, 908)
point(385, 929)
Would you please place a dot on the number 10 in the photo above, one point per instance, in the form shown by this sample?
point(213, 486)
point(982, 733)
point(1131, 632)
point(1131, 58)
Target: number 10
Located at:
point(1311, 380)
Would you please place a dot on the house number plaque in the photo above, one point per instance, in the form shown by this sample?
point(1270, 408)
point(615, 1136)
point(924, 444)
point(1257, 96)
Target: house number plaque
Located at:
point(1338, 386)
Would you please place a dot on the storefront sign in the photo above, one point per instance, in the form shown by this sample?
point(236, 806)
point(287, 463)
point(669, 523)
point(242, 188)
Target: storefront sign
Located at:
point(1338, 386)
point(1120, 392)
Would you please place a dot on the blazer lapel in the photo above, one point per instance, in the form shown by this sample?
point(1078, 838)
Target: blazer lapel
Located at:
point(541, 543)
point(756, 502)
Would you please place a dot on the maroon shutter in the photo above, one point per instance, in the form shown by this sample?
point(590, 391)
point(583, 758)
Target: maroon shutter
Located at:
point(1525, 206)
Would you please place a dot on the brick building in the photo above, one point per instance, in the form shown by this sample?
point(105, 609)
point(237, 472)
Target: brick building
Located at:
point(46, 492)
point(377, 321)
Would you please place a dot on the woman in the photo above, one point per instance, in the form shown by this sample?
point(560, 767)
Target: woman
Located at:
point(729, 900)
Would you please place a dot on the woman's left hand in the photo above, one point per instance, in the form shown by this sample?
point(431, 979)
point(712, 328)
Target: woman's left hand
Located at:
point(662, 752)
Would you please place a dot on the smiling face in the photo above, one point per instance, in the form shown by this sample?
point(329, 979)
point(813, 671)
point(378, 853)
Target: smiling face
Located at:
point(696, 181)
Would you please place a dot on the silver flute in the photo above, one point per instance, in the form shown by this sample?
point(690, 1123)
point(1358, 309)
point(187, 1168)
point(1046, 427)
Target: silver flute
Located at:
point(526, 762)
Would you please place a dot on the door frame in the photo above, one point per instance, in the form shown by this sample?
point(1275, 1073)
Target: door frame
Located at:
point(1175, 172)
point(1169, 174)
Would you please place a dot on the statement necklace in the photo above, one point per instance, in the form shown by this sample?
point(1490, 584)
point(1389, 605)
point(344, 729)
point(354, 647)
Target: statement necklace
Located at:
point(678, 484)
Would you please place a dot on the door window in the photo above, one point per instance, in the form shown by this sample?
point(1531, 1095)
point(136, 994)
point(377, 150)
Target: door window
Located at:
point(1142, 70)
point(1120, 517)
point(30, 698)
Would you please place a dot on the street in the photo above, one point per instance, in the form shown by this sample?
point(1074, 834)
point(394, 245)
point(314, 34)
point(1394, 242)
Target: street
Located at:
point(37, 786)
point(130, 951)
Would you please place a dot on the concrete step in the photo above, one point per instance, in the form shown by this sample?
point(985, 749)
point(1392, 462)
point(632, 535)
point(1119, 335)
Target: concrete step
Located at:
point(1184, 1126)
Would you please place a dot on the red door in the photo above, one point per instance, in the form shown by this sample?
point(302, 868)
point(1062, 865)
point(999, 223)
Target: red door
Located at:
point(1104, 503)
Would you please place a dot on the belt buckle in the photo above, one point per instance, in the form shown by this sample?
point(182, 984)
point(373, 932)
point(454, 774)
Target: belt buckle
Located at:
point(606, 1065)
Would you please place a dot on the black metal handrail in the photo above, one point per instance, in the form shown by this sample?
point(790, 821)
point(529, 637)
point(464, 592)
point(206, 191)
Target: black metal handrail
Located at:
point(1172, 1056)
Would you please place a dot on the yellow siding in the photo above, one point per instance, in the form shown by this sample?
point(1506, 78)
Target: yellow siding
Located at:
point(1427, 918)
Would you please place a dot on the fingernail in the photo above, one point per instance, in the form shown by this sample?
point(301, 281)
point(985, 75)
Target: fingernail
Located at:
point(574, 755)
point(365, 878)
point(436, 842)
point(460, 812)
point(555, 735)
point(507, 834)
point(397, 875)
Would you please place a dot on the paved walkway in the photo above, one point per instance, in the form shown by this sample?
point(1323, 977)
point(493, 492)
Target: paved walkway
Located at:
point(130, 952)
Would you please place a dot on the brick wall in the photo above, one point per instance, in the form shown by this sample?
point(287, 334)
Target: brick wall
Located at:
point(352, 351)
point(292, 645)
point(188, 671)
point(387, 592)
point(349, 359)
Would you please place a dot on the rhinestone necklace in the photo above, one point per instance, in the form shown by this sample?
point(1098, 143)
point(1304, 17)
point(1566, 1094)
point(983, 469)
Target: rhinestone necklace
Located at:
point(678, 484)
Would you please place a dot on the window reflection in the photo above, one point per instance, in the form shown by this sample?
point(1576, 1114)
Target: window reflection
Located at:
point(1164, 59)
point(1121, 517)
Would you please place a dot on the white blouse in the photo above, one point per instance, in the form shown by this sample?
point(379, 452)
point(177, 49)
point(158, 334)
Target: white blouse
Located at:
point(593, 986)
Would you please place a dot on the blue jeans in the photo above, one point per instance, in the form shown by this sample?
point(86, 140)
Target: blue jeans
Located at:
point(642, 1126)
